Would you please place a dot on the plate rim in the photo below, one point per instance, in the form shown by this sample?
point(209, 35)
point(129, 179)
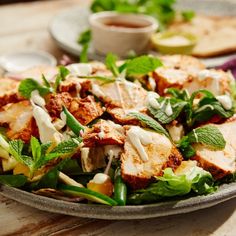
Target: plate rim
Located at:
point(130, 212)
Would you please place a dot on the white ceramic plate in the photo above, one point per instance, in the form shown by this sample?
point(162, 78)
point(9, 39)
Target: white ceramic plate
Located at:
point(66, 27)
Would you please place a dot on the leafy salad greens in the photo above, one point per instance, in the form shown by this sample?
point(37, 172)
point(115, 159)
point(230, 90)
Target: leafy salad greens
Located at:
point(67, 166)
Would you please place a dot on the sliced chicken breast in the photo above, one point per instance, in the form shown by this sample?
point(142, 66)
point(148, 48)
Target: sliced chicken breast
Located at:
point(219, 163)
point(19, 119)
point(146, 154)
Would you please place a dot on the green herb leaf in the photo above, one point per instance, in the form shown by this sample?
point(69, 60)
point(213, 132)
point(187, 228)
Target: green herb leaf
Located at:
point(61, 76)
point(36, 148)
point(142, 65)
point(186, 148)
point(45, 81)
point(162, 10)
point(13, 180)
point(65, 147)
point(150, 122)
point(170, 185)
point(160, 114)
point(27, 86)
point(208, 135)
point(15, 148)
point(188, 15)
point(111, 64)
point(49, 180)
point(84, 40)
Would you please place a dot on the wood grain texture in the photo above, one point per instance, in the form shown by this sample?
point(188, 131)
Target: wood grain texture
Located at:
point(24, 26)
point(17, 219)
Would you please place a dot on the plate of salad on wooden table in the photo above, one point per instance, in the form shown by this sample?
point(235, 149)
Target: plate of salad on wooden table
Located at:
point(140, 138)
point(212, 23)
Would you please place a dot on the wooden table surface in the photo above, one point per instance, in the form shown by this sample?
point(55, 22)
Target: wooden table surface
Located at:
point(24, 26)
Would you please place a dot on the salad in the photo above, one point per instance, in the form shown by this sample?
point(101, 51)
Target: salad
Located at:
point(128, 132)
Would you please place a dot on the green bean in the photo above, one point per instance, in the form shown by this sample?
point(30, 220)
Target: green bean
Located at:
point(74, 124)
point(120, 189)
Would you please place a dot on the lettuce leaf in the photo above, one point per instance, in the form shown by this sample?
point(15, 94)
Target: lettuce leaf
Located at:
point(170, 185)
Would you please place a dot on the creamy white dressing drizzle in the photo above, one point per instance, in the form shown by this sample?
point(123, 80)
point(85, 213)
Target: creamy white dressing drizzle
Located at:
point(204, 107)
point(168, 109)
point(225, 101)
point(112, 150)
point(152, 83)
point(176, 40)
point(152, 100)
point(139, 137)
point(117, 84)
point(101, 134)
point(195, 135)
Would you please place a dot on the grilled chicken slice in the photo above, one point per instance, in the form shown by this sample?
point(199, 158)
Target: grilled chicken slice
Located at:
point(20, 121)
point(219, 163)
point(55, 102)
point(86, 110)
point(183, 62)
point(104, 132)
point(9, 91)
point(146, 154)
point(216, 81)
point(121, 98)
point(75, 86)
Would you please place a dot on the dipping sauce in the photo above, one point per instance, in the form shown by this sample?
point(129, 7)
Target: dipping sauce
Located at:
point(176, 40)
point(124, 25)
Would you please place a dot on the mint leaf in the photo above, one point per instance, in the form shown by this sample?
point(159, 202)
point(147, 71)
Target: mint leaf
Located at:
point(160, 114)
point(208, 135)
point(36, 148)
point(65, 147)
point(142, 65)
point(111, 64)
point(186, 148)
point(84, 40)
point(13, 180)
point(150, 122)
point(15, 148)
point(27, 86)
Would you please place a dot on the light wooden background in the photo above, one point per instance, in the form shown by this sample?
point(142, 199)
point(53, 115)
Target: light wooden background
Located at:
point(25, 26)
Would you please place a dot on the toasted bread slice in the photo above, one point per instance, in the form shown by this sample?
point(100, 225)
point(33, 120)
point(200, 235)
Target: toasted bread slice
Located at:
point(219, 163)
point(160, 153)
point(216, 35)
